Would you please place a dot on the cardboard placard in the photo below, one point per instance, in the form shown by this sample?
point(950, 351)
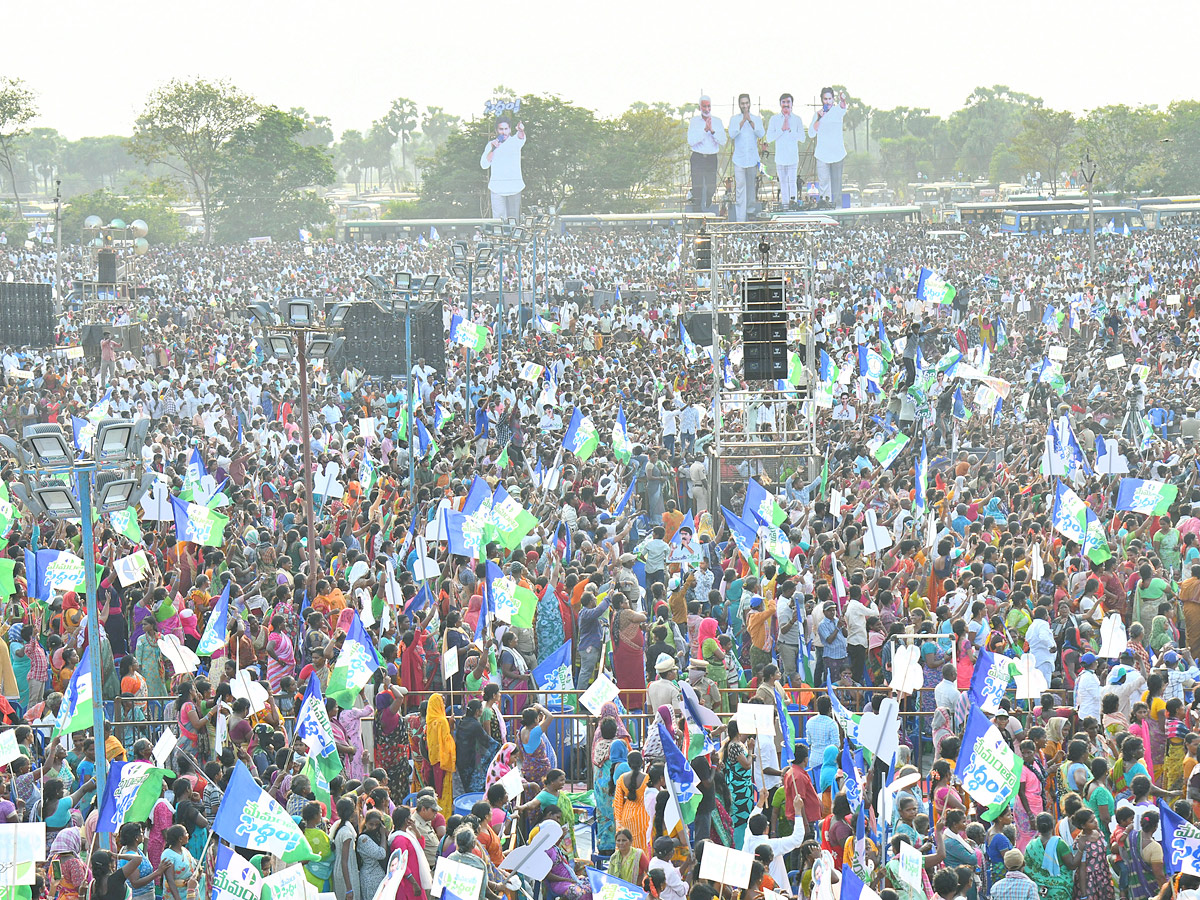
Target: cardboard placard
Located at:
point(1116, 361)
point(603, 690)
point(725, 865)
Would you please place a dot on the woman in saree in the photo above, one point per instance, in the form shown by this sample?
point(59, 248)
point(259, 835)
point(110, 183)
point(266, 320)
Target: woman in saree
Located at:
point(531, 739)
point(1156, 720)
point(548, 624)
point(501, 764)
point(627, 862)
point(317, 871)
point(391, 735)
point(943, 796)
point(514, 671)
point(714, 656)
point(442, 759)
point(606, 736)
point(561, 880)
point(67, 850)
point(739, 781)
point(1143, 857)
point(998, 844)
point(629, 652)
point(1050, 862)
point(960, 849)
point(553, 794)
point(629, 807)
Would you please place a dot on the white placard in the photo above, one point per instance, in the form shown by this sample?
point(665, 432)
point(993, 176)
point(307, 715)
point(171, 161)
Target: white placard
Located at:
point(533, 859)
point(366, 427)
point(1058, 353)
point(22, 847)
point(449, 663)
point(910, 866)
point(1116, 361)
point(285, 884)
point(756, 718)
point(603, 690)
point(725, 865)
point(163, 748)
point(1113, 638)
point(876, 538)
point(222, 734)
point(244, 685)
point(183, 661)
point(511, 782)
point(132, 568)
point(426, 569)
point(462, 880)
point(9, 748)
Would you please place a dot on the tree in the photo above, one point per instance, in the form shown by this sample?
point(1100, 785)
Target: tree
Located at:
point(401, 120)
point(151, 201)
point(380, 141)
point(16, 110)
point(96, 158)
point(436, 125)
point(186, 126)
point(351, 152)
point(1121, 139)
point(317, 129)
point(899, 160)
point(1043, 142)
point(1181, 164)
point(263, 180)
point(42, 149)
point(643, 155)
point(990, 118)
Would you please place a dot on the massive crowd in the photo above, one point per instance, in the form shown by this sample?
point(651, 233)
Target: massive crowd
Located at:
point(809, 680)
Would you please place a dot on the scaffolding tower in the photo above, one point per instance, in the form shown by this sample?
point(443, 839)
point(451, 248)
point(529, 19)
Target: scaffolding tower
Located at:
point(778, 249)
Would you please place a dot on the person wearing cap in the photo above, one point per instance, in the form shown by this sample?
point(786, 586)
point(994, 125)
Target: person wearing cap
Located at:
point(1015, 885)
point(759, 619)
point(624, 580)
point(664, 690)
point(1177, 680)
point(1087, 687)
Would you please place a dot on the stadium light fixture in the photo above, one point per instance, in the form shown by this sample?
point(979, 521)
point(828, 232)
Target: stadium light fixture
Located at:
point(49, 445)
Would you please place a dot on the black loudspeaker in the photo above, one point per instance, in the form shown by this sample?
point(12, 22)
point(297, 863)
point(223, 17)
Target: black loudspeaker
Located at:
point(27, 314)
point(106, 266)
point(764, 330)
point(91, 335)
point(699, 327)
point(375, 339)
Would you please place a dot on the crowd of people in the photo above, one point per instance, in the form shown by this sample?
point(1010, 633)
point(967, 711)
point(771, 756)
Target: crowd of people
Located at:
point(738, 637)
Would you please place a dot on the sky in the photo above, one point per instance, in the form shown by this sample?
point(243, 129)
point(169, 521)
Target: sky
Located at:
point(349, 61)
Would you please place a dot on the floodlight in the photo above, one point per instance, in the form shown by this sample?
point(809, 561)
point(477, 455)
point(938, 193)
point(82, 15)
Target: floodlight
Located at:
point(114, 440)
point(458, 270)
point(441, 284)
point(28, 499)
point(115, 492)
point(377, 282)
point(49, 445)
point(280, 345)
point(402, 281)
point(335, 313)
point(322, 346)
point(458, 250)
point(57, 499)
point(518, 234)
point(484, 256)
point(297, 311)
point(430, 284)
point(262, 312)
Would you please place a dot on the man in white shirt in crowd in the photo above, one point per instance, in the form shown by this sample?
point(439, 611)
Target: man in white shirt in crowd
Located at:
point(745, 130)
point(1087, 688)
point(706, 137)
point(503, 156)
point(670, 428)
point(786, 132)
point(826, 129)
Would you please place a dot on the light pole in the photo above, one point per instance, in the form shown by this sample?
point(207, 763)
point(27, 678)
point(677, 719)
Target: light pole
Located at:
point(293, 331)
point(58, 291)
point(1088, 169)
point(116, 451)
point(463, 266)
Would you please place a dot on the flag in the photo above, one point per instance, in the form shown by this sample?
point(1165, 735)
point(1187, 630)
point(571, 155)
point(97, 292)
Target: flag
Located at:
point(250, 817)
point(198, 524)
point(581, 437)
point(853, 786)
point(193, 475)
point(130, 792)
point(922, 478)
point(625, 499)
point(889, 450)
point(547, 327)
point(989, 681)
point(853, 887)
point(468, 533)
point(234, 877)
point(789, 730)
point(355, 665)
point(840, 713)
point(554, 674)
point(1074, 520)
point(871, 365)
point(689, 347)
point(76, 711)
point(511, 520)
point(467, 334)
point(217, 626)
point(960, 408)
point(433, 233)
point(744, 535)
point(1180, 841)
point(827, 369)
point(511, 602)
point(366, 476)
point(682, 777)
point(425, 443)
point(622, 447)
point(731, 381)
point(502, 459)
point(531, 372)
point(987, 767)
point(314, 728)
point(762, 504)
point(825, 473)
point(932, 288)
point(305, 236)
point(609, 887)
point(441, 416)
point(56, 571)
point(1151, 498)
point(885, 345)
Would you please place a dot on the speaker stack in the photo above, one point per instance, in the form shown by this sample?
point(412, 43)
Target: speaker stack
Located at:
point(27, 314)
point(764, 330)
point(699, 327)
point(375, 340)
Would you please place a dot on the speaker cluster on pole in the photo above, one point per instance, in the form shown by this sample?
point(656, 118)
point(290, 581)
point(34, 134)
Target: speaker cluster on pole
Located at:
point(27, 314)
point(764, 330)
point(375, 340)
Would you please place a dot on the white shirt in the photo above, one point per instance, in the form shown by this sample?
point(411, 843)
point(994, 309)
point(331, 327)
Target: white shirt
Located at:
point(1087, 694)
point(787, 143)
point(505, 165)
point(675, 889)
point(830, 146)
point(780, 847)
point(843, 413)
point(856, 622)
point(745, 140)
point(1041, 641)
point(701, 141)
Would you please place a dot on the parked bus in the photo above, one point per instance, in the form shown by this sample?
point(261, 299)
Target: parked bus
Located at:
point(1161, 215)
point(1071, 221)
point(1142, 202)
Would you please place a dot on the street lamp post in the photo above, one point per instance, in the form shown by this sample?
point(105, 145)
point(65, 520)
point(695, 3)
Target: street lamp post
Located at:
point(116, 454)
point(293, 331)
point(463, 267)
point(1088, 169)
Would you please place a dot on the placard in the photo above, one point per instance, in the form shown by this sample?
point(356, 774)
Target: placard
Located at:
point(725, 865)
point(244, 685)
point(461, 880)
point(910, 866)
point(132, 568)
point(756, 718)
point(183, 661)
point(1059, 353)
point(163, 748)
point(22, 847)
point(9, 748)
point(285, 884)
point(449, 663)
point(1116, 361)
point(603, 690)
point(512, 783)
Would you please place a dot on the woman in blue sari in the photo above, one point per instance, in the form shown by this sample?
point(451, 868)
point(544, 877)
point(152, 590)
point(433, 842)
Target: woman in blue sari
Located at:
point(617, 754)
point(549, 625)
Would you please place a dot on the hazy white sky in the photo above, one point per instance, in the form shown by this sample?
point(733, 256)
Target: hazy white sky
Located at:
point(93, 64)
